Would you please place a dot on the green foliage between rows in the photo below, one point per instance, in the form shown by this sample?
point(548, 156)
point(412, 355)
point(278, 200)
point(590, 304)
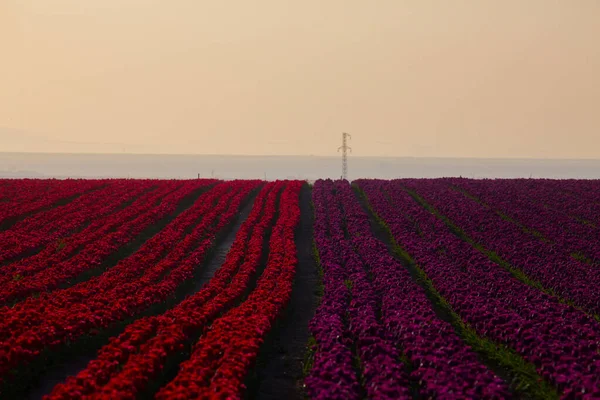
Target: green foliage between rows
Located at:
point(522, 375)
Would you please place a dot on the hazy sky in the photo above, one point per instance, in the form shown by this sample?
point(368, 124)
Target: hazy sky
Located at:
point(503, 78)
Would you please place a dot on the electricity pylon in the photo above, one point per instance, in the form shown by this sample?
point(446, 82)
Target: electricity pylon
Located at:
point(344, 148)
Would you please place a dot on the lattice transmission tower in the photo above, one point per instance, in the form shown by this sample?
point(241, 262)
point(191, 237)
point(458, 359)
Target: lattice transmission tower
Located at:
point(344, 148)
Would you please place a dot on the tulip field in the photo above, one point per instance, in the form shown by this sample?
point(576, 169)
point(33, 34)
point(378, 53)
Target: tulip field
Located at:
point(208, 289)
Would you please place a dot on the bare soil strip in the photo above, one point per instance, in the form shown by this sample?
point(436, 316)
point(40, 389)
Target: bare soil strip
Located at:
point(278, 371)
point(174, 361)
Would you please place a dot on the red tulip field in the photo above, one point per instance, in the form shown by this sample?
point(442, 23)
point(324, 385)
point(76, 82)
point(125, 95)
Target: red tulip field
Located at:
point(208, 289)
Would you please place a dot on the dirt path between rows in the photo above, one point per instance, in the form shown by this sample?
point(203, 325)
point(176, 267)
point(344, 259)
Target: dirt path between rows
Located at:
point(220, 253)
point(278, 371)
point(70, 366)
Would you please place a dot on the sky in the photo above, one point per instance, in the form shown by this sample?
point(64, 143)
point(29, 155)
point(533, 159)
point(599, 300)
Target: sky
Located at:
point(422, 78)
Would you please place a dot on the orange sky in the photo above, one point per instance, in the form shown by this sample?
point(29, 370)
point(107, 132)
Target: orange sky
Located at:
point(505, 78)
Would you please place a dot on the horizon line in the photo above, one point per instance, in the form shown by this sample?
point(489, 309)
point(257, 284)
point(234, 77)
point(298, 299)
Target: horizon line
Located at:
point(533, 158)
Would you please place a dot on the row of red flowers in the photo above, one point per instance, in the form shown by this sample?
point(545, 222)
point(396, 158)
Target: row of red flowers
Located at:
point(132, 360)
point(129, 288)
point(224, 355)
point(30, 196)
point(33, 280)
point(80, 243)
point(41, 229)
point(33, 224)
point(127, 270)
point(22, 189)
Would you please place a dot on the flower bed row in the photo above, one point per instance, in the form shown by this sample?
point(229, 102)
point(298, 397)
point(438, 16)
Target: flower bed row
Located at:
point(39, 229)
point(332, 374)
point(79, 244)
point(95, 252)
point(22, 189)
point(569, 278)
point(443, 365)
point(42, 229)
point(559, 340)
point(158, 251)
point(130, 362)
point(32, 196)
point(529, 207)
point(224, 355)
point(581, 196)
point(575, 198)
point(351, 305)
point(121, 293)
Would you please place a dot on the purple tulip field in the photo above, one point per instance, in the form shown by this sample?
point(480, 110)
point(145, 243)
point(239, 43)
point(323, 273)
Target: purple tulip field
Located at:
point(456, 288)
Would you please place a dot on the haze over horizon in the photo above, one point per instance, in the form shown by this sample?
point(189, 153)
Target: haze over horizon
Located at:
point(486, 79)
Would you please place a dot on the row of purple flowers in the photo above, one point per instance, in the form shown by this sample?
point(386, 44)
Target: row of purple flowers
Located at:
point(533, 204)
point(371, 307)
point(579, 195)
point(541, 261)
point(561, 341)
